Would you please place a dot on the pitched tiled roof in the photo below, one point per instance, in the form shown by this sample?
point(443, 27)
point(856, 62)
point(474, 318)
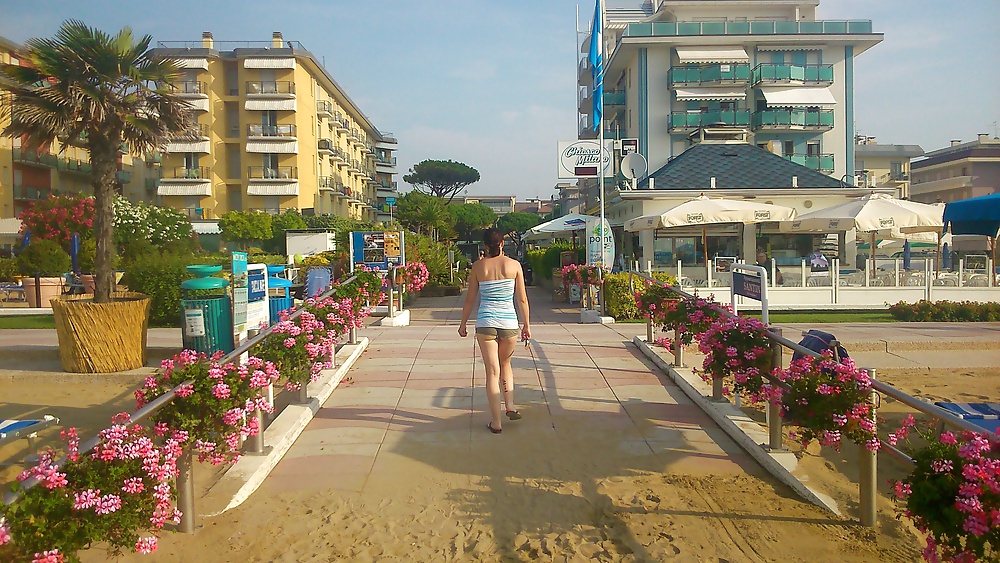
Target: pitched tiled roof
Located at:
point(734, 166)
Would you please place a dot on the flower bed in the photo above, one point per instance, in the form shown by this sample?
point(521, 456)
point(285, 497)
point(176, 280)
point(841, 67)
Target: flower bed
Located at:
point(736, 347)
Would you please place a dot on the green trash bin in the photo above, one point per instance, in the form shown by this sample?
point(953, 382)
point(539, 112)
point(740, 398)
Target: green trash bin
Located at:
point(206, 312)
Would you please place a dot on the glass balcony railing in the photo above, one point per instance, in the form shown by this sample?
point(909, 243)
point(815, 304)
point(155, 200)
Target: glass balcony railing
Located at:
point(124, 176)
point(196, 131)
point(187, 87)
point(275, 173)
point(709, 75)
point(185, 173)
point(614, 98)
point(266, 87)
point(823, 27)
point(32, 157)
point(386, 160)
point(793, 119)
point(808, 74)
point(818, 162)
point(74, 165)
point(324, 107)
point(28, 193)
point(194, 212)
point(271, 130)
point(681, 120)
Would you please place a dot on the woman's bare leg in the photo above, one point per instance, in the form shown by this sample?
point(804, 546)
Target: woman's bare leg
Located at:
point(489, 349)
point(505, 350)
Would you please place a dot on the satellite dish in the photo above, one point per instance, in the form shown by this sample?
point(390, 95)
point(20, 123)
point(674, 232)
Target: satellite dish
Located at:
point(633, 166)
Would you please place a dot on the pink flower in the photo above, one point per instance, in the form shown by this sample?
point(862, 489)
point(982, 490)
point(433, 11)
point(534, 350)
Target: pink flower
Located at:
point(86, 499)
point(51, 556)
point(146, 545)
point(289, 342)
point(220, 391)
point(4, 531)
point(133, 486)
point(948, 438)
point(108, 504)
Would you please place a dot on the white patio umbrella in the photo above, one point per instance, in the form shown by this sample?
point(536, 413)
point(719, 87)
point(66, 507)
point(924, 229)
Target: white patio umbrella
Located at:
point(704, 211)
point(567, 223)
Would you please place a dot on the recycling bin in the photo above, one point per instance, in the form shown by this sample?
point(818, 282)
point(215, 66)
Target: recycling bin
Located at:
point(207, 312)
point(280, 299)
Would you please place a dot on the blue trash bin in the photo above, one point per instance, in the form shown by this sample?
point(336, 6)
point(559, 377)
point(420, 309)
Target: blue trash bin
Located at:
point(279, 298)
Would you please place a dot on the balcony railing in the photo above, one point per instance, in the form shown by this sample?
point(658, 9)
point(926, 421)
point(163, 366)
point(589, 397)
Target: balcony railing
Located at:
point(270, 210)
point(194, 212)
point(768, 73)
point(184, 173)
point(331, 183)
point(74, 165)
point(152, 183)
point(341, 122)
point(31, 157)
point(388, 137)
point(710, 75)
point(275, 173)
point(325, 145)
point(822, 27)
point(614, 98)
point(196, 131)
point(28, 193)
point(793, 119)
point(680, 120)
point(187, 87)
point(267, 87)
point(272, 130)
point(324, 107)
point(124, 176)
point(386, 160)
point(818, 162)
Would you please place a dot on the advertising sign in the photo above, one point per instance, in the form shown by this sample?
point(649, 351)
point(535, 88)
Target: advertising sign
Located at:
point(378, 250)
point(598, 250)
point(629, 146)
point(580, 159)
point(194, 322)
point(258, 303)
point(240, 291)
point(257, 280)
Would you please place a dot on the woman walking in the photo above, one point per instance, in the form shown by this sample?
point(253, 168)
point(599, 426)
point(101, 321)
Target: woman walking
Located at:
point(497, 281)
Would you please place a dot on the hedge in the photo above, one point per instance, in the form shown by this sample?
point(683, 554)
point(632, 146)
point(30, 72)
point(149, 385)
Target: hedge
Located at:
point(8, 269)
point(945, 311)
point(620, 300)
point(544, 260)
point(160, 277)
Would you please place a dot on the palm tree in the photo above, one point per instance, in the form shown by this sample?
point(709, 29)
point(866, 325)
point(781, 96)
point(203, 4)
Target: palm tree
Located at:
point(103, 91)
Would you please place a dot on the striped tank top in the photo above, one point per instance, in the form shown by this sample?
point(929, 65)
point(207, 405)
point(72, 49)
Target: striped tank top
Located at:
point(496, 304)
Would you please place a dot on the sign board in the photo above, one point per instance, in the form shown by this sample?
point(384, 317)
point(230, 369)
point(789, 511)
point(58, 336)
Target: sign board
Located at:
point(258, 302)
point(629, 146)
point(580, 159)
point(390, 201)
point(750, 281)
point(600, 252)
point(724, 263)
point(257, 281)
point(747, 285)
point(378, 250)
point(308, 243)
point(240, 292)
point(194, 322)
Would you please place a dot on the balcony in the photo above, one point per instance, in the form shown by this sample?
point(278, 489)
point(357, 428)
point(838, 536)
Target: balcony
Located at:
point(822, 27)
point(272, 131)
point(270, 88)
point(792, 120)
point(325, 146)
point(331, 184)
point(711, 75)
point(818, 162)
point(271, 210)
point(337, 155)
point(584, 73)
point(324, 108)
point(183, 173)
point(193, 88)
point(36, 159)
point(784, 74)
point(276, 173)
point(614, 98)
point(387, 141)
point(193, 212)
point(685, 122)
point(74, 165)
point(124, 176)
point(194, 132)
point(340, 122)
point(28, 193)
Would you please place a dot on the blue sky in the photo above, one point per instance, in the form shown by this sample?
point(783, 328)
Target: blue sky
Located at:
point(493, 84)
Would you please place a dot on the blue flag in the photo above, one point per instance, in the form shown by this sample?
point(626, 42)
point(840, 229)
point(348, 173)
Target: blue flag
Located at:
point(596, 59)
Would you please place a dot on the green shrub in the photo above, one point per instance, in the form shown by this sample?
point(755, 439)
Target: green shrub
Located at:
point(159, 277)
point(544, 260)
point(44, 257)
point(620, 297)
point(945, 311)
point(270, 259)
point(8, 269)
point(434, 255)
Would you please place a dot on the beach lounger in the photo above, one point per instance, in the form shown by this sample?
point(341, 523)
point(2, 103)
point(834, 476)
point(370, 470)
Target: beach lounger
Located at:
point(983, 415)
point(11, 430)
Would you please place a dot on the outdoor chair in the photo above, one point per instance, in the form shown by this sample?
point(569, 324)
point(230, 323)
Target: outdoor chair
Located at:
point(791, 281)
point(947, 281)
point(11, 430)
point(819, 281)
point(12, 292)
point(978, 280)
point(854, 279)
point(983, 415)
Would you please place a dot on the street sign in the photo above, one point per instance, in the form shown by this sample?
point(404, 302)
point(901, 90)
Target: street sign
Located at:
point(747, 286)
point(390, 201)
point(752, 285)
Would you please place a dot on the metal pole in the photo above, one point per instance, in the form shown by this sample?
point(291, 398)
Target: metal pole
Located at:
point(257, 440)
point(353, 335)
point(868, 475)
point(38, 291)
point(774, 432)
point(304, 393)
point(649, 329)
point(678, 351)
point(185, 491)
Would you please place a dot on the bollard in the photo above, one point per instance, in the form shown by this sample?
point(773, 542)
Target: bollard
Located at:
point(678, 351)
point(352, 336)
point(773, 411)
point(257, 440)
point(868, 475)
point(304, 394)
point(185, 491)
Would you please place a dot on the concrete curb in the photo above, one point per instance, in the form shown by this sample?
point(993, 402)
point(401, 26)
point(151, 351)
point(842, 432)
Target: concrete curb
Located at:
point(242, 479)
point(24, 311)
point(740, 427)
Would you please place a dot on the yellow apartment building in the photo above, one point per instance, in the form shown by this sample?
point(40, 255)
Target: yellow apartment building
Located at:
point(272, 130)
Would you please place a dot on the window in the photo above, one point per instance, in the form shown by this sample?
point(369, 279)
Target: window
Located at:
point(270, 164)
point(812, 148)
point(799, 58)
point(191, 161)
point(788, 148)
point(778, 57)
point(728, 106)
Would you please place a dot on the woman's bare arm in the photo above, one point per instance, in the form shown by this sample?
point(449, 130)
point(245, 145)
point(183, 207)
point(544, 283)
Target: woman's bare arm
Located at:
point(521, 296)
point(470, 300)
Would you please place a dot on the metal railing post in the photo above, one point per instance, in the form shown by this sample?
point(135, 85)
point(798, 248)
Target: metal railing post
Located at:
point(304, 393)
point(257, 440)
point(649, 329)
point(353, 335)
point(678, 350)
point(774, 431)
point(868, 475)
point(717, 389)
point(185, 491)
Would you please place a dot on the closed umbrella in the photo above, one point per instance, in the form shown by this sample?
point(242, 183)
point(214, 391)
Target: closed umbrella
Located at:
point(946, 258)
point(569, 223)
point(74, 252)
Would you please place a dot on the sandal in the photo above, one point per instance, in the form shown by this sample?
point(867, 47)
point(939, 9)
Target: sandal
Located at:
point(513, 415)
point(493, 430)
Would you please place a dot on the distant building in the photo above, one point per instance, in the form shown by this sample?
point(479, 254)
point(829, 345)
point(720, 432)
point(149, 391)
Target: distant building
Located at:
point(960, 171)
point(536, 206)
point(501, 204)
point(884, 165)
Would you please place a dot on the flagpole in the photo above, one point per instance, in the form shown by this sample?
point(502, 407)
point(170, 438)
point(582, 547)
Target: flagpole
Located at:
point(600, 125)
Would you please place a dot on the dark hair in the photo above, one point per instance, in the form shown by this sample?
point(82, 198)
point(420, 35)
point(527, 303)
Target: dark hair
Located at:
point(493, 239)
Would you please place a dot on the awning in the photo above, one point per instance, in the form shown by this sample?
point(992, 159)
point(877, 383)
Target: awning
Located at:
point(10, 226)
point(203, 147)
point(276, 146)
point(269, 62)
point(187, 188)
point(273, 188)
point(711, 93)
point(788, 47)
point(269, 105)
point(206, 227)
point(198, 104)
point(795, 97)
point(193, 63)
point(712, 54)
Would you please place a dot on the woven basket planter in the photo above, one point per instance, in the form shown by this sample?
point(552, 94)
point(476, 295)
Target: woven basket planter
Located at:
point(102, 337)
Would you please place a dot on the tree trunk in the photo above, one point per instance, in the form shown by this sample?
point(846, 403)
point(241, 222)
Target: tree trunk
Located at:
point(103, 158)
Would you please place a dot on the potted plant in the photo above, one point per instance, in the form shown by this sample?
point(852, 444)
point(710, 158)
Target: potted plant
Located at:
point(48, 261)
point(108, 93)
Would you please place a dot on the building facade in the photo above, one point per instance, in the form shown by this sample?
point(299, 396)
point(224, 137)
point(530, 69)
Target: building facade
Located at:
point(960, 171)
point(884, 165)
point(271, 131)
point(768, 66)
point(501, 204)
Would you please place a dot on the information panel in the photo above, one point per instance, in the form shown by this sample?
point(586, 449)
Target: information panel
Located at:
point(240, 292)
point(377, 250)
